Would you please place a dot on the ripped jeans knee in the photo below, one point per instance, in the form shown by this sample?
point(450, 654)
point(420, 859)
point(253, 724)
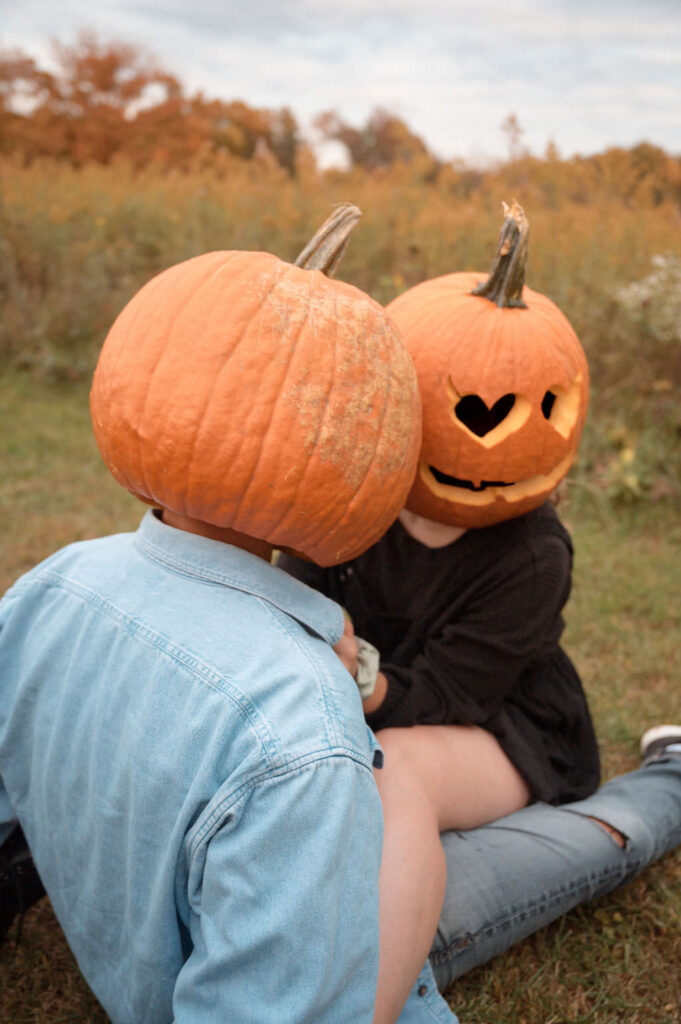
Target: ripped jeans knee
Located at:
point(507, 880)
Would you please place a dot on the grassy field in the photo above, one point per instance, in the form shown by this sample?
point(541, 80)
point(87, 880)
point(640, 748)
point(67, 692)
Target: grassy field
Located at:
point(615, 962)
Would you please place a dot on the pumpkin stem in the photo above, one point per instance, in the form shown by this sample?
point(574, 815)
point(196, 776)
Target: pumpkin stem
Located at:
point(325, 249)
point(504, 286)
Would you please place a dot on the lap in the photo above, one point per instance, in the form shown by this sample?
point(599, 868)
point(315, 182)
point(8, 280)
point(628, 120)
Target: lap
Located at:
point(463, 772)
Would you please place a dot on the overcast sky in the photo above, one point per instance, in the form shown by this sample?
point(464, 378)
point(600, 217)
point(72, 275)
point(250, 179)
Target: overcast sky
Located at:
point(585, 74)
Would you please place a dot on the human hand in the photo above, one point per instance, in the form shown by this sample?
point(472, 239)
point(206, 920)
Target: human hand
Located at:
point(373, 701)
point(361, 659)
point(346, 648)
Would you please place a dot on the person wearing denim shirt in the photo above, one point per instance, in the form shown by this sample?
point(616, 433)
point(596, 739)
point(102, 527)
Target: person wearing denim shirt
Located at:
point(250, 758)
point(181, 746)
point(235, 851)
point(154, 941)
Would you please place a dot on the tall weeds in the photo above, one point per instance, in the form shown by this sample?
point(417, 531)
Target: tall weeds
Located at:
point(76, 244)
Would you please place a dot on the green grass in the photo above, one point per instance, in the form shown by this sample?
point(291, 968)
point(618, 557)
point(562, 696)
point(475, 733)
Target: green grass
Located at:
point(54, 488)
point(617, 960)
point(614, 962)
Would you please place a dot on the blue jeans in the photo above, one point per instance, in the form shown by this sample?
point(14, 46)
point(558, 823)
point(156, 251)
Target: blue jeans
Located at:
point(509, 879)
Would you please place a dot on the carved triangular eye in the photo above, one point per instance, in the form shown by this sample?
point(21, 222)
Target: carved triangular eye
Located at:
point(479, 419)
point(547, 404)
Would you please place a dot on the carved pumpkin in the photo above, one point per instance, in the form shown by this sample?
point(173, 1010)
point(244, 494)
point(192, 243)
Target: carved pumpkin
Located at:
point(255, 394)
point(504, 386)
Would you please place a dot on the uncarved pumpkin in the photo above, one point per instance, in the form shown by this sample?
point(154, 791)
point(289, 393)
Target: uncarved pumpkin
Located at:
point(504, 385)
point(251, 393)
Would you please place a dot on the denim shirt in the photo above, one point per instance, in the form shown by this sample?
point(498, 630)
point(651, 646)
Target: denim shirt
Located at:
point(190, 764)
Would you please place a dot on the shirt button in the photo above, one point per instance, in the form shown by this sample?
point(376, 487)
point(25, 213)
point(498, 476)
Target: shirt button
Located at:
point(422, 990)
point(350, 570)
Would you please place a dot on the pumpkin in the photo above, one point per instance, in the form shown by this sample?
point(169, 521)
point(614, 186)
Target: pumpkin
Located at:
point(259, 395)
point(504, 386)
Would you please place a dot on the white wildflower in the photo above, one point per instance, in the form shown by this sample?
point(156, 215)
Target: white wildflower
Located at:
point(657, 298)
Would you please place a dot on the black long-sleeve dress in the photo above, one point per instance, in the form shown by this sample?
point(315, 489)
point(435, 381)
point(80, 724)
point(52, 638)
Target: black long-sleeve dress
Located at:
point(469, 634)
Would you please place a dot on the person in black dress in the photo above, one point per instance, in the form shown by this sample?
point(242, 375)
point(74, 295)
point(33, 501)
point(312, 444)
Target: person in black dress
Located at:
point(477, 707)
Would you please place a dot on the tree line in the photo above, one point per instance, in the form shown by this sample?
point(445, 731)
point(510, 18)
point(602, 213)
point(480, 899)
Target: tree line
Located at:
point(110, 100)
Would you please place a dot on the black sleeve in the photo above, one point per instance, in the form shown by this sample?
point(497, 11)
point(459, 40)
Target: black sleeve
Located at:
point(463, 672)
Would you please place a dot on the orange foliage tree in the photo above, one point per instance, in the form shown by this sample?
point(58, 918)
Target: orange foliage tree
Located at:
point(382, 141)
point(108, 100)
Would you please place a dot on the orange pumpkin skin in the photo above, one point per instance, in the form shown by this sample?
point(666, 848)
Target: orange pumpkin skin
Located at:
point(246, 392)
point(464, 345)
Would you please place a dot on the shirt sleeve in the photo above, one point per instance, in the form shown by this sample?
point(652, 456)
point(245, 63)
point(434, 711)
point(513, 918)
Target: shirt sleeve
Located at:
point(463, 674)
point(284, 899)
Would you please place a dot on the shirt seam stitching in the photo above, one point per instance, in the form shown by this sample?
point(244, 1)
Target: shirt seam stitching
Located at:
point(320, 675)
point(189, 663)
point(211, 825)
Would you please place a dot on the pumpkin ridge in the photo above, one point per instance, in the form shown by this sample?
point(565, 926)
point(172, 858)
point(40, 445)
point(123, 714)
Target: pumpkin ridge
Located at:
point(496, 344)
point(547, 314)
point(314, 449)
point(141, 419)
point(299, 483)
point(498, 339)
point(477, 312)
point(574, 359)
point(379, 433)
point(358, 496)
point(132, 321)
point(281, 390)
point(386, 391)
point(169, 347)
point(280, 272)
point(279, 275)
point(345, 509)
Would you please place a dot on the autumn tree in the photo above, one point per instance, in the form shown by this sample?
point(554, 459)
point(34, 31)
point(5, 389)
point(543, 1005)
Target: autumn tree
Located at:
point(285, 139)
point(109, 100)
point(644, 174)
point(86, 109)
point(23, 87)
point(101, 89)
point(382, 141)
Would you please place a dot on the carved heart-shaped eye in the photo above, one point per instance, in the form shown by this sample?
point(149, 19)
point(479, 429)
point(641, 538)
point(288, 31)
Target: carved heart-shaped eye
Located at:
point(479, 419)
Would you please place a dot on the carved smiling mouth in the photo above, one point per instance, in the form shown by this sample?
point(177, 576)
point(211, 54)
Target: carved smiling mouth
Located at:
point(455, 481)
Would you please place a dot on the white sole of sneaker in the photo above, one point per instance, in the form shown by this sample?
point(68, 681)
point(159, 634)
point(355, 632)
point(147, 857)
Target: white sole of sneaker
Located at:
point(672, 733)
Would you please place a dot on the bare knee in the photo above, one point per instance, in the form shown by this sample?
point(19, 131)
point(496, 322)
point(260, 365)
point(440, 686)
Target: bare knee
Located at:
point(617, 836)
point(400, 780)
point(402, 749)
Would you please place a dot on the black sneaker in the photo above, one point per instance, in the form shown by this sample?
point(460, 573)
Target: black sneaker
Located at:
point(661, 743)
point(20, 885)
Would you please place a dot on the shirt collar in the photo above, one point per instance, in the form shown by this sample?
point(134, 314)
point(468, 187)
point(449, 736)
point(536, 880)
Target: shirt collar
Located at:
point(222, 564)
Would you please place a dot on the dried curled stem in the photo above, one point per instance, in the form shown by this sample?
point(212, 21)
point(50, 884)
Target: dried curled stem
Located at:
point(504, 286)
point(325, 249)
